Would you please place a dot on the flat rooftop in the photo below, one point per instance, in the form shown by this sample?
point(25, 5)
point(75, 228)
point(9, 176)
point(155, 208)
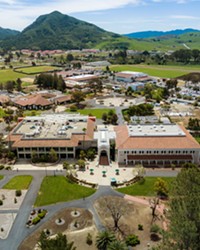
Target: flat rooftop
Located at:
point(155, 130)
point(56, 126)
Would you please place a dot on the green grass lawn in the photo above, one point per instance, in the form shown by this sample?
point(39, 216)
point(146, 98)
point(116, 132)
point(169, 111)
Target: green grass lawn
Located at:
point(58, 189)
point(19, 182)
point(197, 138)
point(95, 112)
point(36, 69)
point(2, 113)
point(32, 112)
point(9, 75)
point(1, 177)
point(145, 189)
point(157, 70)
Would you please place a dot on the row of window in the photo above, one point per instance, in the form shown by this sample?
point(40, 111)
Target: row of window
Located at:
point(45, 149)
point(160, 152)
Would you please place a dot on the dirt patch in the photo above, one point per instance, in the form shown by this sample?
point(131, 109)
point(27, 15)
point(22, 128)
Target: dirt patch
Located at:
point(84, 221)
point(134, 215)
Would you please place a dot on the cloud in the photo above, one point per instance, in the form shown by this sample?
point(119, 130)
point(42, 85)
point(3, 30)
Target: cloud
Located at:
point(185, 17)
point(22, 11)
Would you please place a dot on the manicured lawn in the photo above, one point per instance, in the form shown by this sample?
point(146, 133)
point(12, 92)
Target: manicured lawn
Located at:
point(36, 69)
point(157, 70)
point(145, 189)
point(32, 112)
point(19, 182)
point(2, 113)
point(58, 189)
point(1, 177)
point(95, 112)
point(9, 75)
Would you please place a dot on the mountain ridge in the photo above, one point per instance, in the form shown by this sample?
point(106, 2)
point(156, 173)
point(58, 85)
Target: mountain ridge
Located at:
point(152, 34)
point(5, 33)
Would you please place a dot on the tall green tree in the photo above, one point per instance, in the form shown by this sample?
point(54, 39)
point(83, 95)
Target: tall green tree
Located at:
point(58, 243)
point(185, 210)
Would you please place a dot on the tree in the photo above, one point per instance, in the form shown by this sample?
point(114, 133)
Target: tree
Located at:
point(114, 206)
point(184, 211)
point(53, 155)
point(104, 239)
point(19, 84)
point(78, 96)
point(81, 164)
point(117, 245)
point(161, 187)
point(57, 243)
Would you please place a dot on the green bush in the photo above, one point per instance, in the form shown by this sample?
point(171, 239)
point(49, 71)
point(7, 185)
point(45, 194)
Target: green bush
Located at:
point(11, 155)
point(132, 240)
point(18, 193)
point(42, 214)
point(1, 167)
point(89, 239)
point(1, 202)
point(155, 229)
point(36, 220)
point(140, 227)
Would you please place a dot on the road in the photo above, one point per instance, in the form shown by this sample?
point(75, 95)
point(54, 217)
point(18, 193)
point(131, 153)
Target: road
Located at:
point(19, 231)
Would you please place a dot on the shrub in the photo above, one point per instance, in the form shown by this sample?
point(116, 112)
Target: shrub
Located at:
point(42, 214)
point(8, 168)
point(11, 155)
point(1, 202)
point(15, 200)
point(132, 240)
point(73, 108)
point(89, 239)
point(141, 181)
point(36, 220)
point(155, 229)
point(1, 167)
point(140, 227)
point(18, 193)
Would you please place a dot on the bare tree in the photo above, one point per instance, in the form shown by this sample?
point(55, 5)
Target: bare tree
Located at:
point(114, 206)
point(153, 205)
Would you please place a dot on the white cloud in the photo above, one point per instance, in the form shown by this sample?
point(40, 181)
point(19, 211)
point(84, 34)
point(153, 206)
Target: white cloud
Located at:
point(185, 17)
point(20, 13)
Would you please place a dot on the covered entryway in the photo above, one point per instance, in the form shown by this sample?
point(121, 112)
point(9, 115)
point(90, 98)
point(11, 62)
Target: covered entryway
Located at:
point(103, 158)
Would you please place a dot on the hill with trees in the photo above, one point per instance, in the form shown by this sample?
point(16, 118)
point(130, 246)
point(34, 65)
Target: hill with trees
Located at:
point(5, 33)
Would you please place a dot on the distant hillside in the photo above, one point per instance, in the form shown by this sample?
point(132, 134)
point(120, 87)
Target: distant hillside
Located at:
point(58, 31)
point(5, 33)
point(194, 77)
point(149, 34)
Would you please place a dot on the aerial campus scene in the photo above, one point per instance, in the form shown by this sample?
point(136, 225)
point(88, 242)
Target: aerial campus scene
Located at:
point(99, 125)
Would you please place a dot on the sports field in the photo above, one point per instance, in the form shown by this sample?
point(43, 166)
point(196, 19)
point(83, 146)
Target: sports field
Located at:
point(36, 69)
point(157, 70)
point(9, 75)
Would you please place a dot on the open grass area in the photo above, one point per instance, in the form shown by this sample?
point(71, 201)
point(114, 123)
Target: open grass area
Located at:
point(19, 182)
point(36, 69)
point(32, 112)
point(2, 113)
point(9, 75)
point(95, 112)
point(59, 189)
point(1, 177)
point(165, 71)
point(145, 189)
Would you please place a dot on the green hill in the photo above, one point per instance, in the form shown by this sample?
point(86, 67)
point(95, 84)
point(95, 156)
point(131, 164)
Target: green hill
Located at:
point(58, 31)
point(5, 33)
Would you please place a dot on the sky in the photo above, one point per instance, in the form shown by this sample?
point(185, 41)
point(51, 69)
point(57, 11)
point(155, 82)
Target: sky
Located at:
point(119, 16)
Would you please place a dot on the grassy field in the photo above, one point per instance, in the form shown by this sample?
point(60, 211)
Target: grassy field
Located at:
point(9, 75)
point(95, 112)
point(32, 112)
point(1, 177)
point(19, 182)
point(58, 189)
point(157, 70)
point(36, 69)
point(145, 189)
point(2, 113)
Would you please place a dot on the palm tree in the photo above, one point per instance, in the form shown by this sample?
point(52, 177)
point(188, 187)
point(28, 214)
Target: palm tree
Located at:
point(104, 239)
point(117, 245)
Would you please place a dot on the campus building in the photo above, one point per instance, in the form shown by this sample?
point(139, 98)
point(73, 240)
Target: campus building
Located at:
point(147, 144)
